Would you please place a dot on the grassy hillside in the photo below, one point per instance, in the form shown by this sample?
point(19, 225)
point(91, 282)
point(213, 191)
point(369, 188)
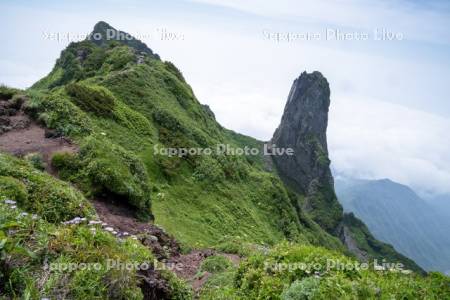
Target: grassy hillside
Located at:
point(118, 103)
point(38, 234)
point(290, 271)
point(119, 113)
point(395, 214)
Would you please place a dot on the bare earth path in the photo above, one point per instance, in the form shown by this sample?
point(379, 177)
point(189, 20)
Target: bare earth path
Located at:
point(25, 136)
point(20, 135)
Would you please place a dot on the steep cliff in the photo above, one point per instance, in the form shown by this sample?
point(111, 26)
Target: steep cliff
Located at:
point(303, 128)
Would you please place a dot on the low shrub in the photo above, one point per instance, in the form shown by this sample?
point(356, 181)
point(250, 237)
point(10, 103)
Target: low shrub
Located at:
point(208, 169)
point(42, 260)
point(219, 286)
point(116, 172)
point(174, 70)
point(94, 61)
point(36, 160)
point(234, 167)
point(132, 120)
point(215, 264)
point(13, 189)
point(179, 90)
point(56, 111)
point(94, 99)
point(118, 57)
point(52, 199)
point(7, 92)
point(293, 271)
point(304, 289)
point(67, 164)
point(169, 166)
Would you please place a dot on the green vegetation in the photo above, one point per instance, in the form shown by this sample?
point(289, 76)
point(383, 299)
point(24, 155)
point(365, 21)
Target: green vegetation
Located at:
point(40, 193)
point(174, 70)
point(306, 288)
point(40, 259)
point(215, 263)
point(7, 92)
point(376, 249)
point(118, 58)
point(325, 209)
point(119, 115)
point(292, 271)
point(97, 100)
point(56, 111)
point(107, 170)
point(119, 102)
point(11, 188)
point(36, 160)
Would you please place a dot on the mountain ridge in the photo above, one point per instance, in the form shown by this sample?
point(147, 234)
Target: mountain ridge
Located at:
point(397, 215)
point(115, 105)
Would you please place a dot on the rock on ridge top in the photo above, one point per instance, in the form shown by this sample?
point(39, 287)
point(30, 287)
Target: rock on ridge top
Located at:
point(104, 33)
point(303, 128)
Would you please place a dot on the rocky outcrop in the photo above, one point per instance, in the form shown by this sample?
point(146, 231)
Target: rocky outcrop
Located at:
point(355, 235)
point(12, 115)
point(345, 235)
point(303, 128)
point(104, 33)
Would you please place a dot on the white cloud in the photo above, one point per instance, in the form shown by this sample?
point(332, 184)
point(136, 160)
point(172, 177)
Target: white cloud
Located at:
point(15, 74)
point(427, 22)
point(374, 139)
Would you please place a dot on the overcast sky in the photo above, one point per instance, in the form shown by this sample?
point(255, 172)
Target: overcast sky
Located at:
point(390, 109)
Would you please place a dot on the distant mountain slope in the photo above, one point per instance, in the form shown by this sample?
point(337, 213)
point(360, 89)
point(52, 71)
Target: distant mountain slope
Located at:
point(396, 215)
point(440, 203)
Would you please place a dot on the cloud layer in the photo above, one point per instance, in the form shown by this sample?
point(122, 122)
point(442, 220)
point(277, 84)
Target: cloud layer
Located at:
point(420, 21)
point(373, 139)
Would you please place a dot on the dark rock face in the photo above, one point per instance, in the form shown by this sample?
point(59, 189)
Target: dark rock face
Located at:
point(103, 33)
point(12, 115)
point(303, 128)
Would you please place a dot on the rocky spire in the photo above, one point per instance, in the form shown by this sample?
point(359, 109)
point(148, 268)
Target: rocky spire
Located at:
point(303, 128)
point(104, 33)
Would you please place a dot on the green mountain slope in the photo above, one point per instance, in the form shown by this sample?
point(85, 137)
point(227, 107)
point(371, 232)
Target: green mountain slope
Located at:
point(395, 214)
point(121, 105)
point(122, 101)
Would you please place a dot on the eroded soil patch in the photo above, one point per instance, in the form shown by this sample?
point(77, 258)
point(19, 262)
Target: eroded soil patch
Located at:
point(20, 135)
point(122, 218)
